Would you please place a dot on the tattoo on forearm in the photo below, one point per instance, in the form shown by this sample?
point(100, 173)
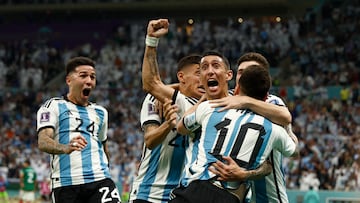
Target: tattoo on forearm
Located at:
point(151, 55)
point(49, 145)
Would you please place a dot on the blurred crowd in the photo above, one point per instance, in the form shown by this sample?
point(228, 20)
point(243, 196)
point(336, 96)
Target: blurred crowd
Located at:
point(320, 49)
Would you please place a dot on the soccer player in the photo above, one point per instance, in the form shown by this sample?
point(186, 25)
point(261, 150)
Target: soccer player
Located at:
point(73, 131)
point(27, 183)
point(271, 188)
point(163, 156)
point(245, 136)
point(152, 84)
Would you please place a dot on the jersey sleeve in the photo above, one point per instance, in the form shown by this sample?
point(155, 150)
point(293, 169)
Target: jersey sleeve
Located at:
point(284, 144)
point(272, 99)
point(104, 127)
point(47, 115)
point(194, 120)
point(148, 112)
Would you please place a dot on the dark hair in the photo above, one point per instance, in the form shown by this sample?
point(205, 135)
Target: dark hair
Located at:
point(255, 82)
point(27, 161)
point(216, 53)
point(188, 60)
point(78, 61)
point(253, 56)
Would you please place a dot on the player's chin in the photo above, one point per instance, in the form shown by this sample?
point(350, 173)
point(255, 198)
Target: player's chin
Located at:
point(201, 90)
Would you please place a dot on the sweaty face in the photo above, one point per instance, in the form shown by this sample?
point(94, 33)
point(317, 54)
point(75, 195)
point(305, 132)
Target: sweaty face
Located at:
point(190, 81)
point(242, 67)
point(214, 75)
point(81, 82)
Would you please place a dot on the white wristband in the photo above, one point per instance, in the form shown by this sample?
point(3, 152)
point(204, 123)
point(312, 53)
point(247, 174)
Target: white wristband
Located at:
point(151, 41)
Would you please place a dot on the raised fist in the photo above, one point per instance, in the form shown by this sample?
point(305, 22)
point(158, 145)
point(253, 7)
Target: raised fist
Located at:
point(158, 28)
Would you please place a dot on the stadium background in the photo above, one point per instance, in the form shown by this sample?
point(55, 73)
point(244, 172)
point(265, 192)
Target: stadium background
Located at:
point(312, 46)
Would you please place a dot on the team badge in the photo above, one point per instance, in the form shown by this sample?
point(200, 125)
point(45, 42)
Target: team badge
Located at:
point(45, 117)
point(190, 122)
point(151, 109)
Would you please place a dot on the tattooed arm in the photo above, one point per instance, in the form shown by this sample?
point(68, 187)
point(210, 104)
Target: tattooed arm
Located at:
point(150, 71)
point(47, 143)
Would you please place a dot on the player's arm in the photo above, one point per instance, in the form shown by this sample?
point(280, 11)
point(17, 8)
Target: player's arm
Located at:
point(150, 71)
point(188, 123)
point(155, 133)
point(183, 127)
point(47, 143)
point(275, 113)
point(294, 138)
point(21, 177)
point(231, 171)
point(286, 141)
point(106, 150)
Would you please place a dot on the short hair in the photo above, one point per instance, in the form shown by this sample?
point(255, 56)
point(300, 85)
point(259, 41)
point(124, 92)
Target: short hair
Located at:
point(216, 53)
point(255, 82)
point(188, 60)
point(253, 56)
point(27, 161)
point(78, 61)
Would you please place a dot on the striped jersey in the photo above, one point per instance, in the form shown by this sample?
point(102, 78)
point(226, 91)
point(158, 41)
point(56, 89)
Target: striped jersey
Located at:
point(241, 134)
point(161, 168)
point(69, 120)
point(272, 188)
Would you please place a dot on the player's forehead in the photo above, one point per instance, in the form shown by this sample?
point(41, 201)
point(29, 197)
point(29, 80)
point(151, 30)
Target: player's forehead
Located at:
point(246, 64)
point(85, 69)
point(191, 68)
point(211, 59)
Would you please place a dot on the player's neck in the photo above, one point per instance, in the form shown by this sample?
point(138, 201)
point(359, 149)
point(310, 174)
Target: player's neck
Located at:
point(78, 101)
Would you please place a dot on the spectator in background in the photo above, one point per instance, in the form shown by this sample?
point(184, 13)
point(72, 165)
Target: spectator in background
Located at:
point(4, 197)
point(311, 196)
point(45, 190)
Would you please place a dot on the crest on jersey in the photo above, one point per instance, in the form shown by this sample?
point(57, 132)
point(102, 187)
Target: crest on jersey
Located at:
point(45, 117)
point(151, 109)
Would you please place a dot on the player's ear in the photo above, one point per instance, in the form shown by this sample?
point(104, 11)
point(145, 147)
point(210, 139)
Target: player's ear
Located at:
point(180, 76)
point(68, 79)
point(229, 75)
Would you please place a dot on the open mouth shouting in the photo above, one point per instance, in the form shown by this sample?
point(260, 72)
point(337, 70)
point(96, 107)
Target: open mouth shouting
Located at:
point(86, 92)
point(213, 84)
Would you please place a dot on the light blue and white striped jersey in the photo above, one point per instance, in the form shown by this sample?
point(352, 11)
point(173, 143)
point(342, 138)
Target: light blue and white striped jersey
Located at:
point(272, 188)
point(241, 134)
point(161, 168)
point(69, 120)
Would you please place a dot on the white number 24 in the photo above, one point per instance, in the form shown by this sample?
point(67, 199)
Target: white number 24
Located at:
point(105, 191)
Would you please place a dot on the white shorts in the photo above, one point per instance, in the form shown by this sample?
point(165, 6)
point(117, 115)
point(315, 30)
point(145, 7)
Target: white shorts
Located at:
point(27, 195)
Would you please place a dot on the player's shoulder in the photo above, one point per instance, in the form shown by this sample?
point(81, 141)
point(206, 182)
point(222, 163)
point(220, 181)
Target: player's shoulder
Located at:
point(205, 106)
point(273, 99)
point(149, 98)
point(191, 100)
point(98, 107)
point(52, 101)
point(180, 96)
